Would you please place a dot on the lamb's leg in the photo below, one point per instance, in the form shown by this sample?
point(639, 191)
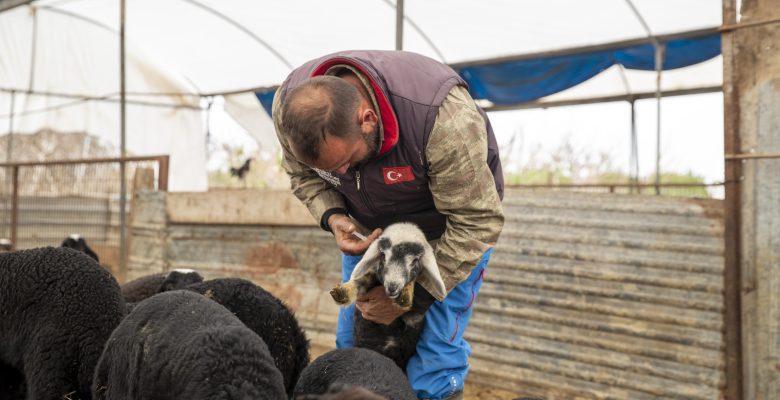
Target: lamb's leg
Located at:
point(344, 293)
point(406, 297)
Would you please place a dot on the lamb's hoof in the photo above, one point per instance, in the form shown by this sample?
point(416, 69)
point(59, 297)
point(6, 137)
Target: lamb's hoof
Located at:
point(340, 295)
point(403, 302)
point(406, 297)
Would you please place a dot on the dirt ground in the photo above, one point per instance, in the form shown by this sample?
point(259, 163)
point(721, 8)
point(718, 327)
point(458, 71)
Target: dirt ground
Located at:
point(473, 391)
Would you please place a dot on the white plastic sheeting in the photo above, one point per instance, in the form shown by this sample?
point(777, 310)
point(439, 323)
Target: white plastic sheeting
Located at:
point(197, 47)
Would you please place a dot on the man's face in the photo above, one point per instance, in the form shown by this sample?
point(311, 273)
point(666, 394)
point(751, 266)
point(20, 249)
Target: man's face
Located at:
point(339, 154)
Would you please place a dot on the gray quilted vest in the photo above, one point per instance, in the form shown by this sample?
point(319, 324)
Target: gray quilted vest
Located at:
point(393, 186)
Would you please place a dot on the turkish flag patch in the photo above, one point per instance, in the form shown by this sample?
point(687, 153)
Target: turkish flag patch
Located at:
point(397, 175)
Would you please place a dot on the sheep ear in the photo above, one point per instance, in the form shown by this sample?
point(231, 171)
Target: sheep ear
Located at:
point(366, 264)
point(431, 268)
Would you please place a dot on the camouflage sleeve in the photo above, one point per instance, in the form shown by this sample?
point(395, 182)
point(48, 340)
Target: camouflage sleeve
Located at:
point(463, 187)
point(316, 194)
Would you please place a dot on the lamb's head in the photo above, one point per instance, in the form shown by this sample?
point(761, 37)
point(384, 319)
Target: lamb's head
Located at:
point(397, 264)
point(76, 242)
point(397, 258)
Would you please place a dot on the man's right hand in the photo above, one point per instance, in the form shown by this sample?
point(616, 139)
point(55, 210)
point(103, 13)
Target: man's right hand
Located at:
point(342, 228)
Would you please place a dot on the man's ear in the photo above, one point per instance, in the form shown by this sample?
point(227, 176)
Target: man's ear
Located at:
point(368, 119)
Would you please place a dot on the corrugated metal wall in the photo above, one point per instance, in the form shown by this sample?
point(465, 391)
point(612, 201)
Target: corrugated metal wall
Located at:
point(604, 296)
point(587, 295)
point(297, 263)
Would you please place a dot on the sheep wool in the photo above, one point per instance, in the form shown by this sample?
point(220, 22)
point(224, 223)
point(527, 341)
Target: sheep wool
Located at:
point(268, 317)
point(58, 307)
point(180, 345)
point(354, 367)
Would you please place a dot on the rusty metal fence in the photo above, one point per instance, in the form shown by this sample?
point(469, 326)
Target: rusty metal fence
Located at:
point(694, 190)
point(41, 203)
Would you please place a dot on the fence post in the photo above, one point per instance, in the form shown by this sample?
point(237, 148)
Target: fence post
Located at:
point(162, 182)
point(14, 206)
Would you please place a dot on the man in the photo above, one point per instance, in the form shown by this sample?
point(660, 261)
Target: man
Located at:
point(375, 137)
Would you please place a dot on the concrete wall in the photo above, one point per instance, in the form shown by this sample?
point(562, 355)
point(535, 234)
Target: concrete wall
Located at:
point(587, 295)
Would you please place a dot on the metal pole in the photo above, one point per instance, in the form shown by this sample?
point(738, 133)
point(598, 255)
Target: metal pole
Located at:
point(8, 157)
point(122, 129)
point(732, 273)
point(14, 206)
point(634, 162)
point(10, 143)
point(399, 24)
point(659, 63)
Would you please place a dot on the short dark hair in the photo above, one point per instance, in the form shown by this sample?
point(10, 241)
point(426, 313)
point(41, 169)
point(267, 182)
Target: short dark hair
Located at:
point(323, 105)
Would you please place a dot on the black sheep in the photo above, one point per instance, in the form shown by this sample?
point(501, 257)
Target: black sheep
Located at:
point(354, 367)
point(180, 345)
point(76, 242)
point(267, 316)
point(149, 285)
point(58, 307)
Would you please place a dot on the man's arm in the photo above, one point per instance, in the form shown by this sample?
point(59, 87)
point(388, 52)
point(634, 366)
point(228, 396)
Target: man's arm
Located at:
point(463, 187)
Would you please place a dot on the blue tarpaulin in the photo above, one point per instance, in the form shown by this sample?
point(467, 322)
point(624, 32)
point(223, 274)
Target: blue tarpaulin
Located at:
point(520, 81)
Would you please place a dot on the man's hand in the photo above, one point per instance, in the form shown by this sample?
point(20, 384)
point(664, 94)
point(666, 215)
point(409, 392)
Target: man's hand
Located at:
point(342, 227)
point(377, 307)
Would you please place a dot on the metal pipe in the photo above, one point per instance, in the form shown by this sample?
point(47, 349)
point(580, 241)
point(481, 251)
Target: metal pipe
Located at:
point(659, 63)
point(10, 144)
point(634, 161)
point(399, 24)
point(8, 155)
point(85, 161)
point(732, 274)
point(603, 99)
point(14, 206)
point(33, 51)
point(751, 156)
point(123, 149)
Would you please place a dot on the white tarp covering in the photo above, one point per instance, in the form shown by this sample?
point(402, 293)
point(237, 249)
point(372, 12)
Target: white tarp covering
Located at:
point(216, 46)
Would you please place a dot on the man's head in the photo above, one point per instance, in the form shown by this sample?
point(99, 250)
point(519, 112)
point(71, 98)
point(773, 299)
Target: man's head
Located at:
point(329, 124)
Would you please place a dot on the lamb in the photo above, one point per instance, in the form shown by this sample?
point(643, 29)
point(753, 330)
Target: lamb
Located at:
point(344, 392)
point(180, 345)
point(338, 370)
point(393, 260)
point(268, 317)
point(58, 307)
point(149, 285)
point(76, 242)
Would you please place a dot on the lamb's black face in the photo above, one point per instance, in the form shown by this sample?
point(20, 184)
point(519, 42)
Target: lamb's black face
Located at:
point(398, 265)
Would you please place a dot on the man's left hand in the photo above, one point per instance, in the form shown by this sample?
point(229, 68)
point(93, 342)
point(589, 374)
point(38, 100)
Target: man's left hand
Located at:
point(377, 307)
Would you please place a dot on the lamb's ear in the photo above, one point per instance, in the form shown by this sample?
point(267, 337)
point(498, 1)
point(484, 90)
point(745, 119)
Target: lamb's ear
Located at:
point(366, 263)
point(89, 250)
point(431, 268)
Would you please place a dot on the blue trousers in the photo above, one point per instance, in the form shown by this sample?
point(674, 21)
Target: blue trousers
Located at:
point(440, 365)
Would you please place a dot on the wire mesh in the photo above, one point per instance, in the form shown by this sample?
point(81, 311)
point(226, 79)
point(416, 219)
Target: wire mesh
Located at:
point(57, 199)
